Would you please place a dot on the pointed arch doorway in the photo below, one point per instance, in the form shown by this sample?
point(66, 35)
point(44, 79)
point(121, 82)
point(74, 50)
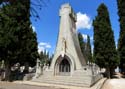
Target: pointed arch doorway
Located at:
point(63, 66)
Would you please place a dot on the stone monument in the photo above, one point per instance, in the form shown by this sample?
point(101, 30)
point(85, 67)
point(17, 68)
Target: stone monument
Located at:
point(38, 69)
point(68, 65)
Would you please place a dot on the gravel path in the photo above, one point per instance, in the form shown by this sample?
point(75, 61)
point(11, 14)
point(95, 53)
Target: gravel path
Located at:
point(7, 85)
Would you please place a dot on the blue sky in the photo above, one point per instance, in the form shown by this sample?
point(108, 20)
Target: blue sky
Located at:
point(47, 26)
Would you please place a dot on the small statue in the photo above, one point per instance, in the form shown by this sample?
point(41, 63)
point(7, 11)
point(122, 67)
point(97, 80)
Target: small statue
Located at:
point(63, 47)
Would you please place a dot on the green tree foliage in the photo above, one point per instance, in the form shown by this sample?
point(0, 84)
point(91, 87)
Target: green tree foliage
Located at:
point(18, 42)
point(8, 51)
point(88, 50)
point(82, 44)
point(121, 42)
point(85, 48)
point(44, 58)
point(37, 4)
point(105, 53)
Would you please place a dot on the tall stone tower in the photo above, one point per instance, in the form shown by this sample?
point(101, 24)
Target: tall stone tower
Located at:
point(67, 45)
point(68, 66)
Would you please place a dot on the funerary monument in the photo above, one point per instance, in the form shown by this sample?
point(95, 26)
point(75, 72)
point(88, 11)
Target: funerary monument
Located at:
point(68, 66)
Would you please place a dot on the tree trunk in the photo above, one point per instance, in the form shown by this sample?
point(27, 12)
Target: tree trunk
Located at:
point(26, 70)
point(112, 71)
point(108, 72)
point(7, 70)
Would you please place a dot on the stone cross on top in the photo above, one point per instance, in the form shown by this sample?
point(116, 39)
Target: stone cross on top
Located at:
point(67, 10)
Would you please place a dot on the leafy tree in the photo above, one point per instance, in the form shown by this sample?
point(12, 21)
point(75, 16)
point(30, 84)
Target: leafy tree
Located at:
point(105, 53)
point(50, 59)
point(85, 47)
point(8, 51)
point(33, 5)
point(18, 42)
point(88, 50)
point(121, 42)
point(44, 58)
point(82, 45)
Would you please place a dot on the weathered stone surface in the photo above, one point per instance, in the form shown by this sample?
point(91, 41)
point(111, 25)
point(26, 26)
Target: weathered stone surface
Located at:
point(68, 43)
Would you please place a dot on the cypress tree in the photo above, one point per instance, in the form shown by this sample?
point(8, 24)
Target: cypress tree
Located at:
point(8, 39)
point(44, 58)
point(81, 42)
point(88, 50)
point(105, 53)
point(121, 42)
point(82, 45)
point(18, 42)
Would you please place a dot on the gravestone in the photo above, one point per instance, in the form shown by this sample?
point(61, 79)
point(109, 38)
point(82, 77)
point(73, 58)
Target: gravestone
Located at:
point(68, 65)
point(38, 69)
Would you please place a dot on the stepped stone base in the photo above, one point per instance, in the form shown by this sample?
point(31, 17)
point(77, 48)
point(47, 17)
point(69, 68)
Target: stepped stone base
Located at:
point(82, 78)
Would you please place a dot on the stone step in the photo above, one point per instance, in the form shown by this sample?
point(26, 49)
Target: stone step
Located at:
point(81, 74)
point(66, 77)
point(73, 83)
point(69, 83)
point(64, 80)
point(55, 79)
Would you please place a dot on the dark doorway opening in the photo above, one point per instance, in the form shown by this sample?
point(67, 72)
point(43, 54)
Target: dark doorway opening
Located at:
point(64, 67)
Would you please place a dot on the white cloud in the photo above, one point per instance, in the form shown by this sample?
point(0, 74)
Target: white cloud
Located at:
point(84, 36)
point(40, 48)
point(48, 46)
point(33, 27)
point(83, 21)
point(42, 43)
point(43, 46)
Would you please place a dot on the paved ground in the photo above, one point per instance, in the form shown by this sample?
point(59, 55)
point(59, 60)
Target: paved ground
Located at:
point(116, 83)
point(7, 85)
point(34, 85)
